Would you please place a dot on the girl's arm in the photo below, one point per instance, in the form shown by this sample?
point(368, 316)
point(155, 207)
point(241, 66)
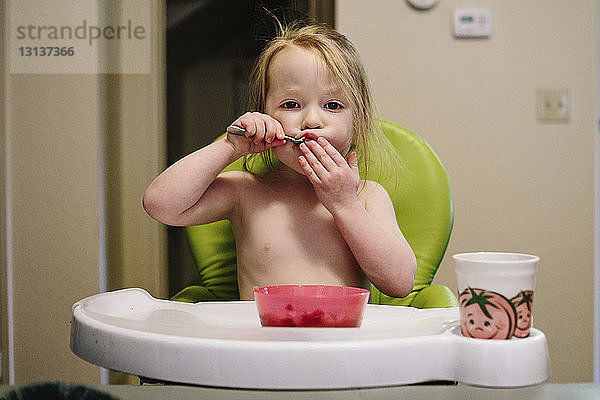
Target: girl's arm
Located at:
point(193, 191)
point(371, 231)
point(377, 244)
point(180, 195)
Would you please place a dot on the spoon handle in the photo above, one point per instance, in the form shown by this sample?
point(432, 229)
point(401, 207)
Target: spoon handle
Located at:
point(236, 130)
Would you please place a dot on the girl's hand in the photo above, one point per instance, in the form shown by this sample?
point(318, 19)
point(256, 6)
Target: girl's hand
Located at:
point(335, 181)
point(262, 133)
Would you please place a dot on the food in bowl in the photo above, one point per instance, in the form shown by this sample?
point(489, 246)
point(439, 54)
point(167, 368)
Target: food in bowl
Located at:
point(311, 305)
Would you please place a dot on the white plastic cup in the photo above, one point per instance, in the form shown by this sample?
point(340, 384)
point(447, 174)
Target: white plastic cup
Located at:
point(495, 294)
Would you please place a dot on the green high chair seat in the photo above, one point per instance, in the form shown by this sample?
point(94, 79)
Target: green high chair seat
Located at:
point(423, 204)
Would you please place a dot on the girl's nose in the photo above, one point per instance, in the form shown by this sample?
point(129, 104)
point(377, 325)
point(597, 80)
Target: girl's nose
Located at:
point(311, 120)
point(311, 126)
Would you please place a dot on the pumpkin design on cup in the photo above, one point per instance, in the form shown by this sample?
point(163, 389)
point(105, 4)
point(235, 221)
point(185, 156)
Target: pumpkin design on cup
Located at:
point(522, 303)
point(486, 315)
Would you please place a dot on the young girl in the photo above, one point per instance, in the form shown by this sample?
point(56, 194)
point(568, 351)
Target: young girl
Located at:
point(311, 219)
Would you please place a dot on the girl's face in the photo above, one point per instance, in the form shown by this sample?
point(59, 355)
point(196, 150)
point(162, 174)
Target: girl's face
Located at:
point(304, 97)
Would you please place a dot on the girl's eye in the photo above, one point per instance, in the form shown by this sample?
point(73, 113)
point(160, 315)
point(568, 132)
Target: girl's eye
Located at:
point(333, 105)
point(290, 104)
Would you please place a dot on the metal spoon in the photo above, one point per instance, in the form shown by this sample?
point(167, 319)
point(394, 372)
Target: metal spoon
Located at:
point(236, 130)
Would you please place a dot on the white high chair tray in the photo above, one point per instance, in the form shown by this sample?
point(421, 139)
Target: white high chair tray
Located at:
point(223, 344)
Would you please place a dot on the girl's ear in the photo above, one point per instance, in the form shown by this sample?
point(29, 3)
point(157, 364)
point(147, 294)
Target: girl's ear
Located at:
point(352, 160)
point(353, 163)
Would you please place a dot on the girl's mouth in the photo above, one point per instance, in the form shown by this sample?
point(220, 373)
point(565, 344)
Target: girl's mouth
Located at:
point(309, 136)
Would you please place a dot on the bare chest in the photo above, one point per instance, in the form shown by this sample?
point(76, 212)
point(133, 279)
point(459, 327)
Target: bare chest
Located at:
point(280, 227)
point(290, 238)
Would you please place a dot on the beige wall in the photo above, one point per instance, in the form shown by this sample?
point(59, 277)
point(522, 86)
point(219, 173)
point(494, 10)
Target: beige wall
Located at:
point(518, 185)
point(55, 163)
point(52, 176)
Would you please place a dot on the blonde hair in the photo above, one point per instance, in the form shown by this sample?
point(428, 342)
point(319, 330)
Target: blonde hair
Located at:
point(342, 59)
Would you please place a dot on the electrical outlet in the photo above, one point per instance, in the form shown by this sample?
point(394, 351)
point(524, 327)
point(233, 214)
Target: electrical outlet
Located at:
point(553, 105)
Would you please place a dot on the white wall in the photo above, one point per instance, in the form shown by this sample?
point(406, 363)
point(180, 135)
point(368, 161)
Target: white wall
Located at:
point(519, 185)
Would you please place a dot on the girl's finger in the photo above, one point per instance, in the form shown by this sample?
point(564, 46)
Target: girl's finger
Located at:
point(314, 163)
point(332, 152)
point(324, 158)
point(261, 130)
point(271, 130)
point(308, 171)
point(279, 132)
point(248, 123)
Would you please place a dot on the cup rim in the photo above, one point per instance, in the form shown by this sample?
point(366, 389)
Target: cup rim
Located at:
point(471, 257)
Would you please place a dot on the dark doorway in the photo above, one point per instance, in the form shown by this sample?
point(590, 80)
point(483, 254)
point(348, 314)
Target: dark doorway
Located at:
point(211, 47)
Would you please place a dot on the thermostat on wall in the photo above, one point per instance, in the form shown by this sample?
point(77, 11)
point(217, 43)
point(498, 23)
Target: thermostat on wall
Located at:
point(472, 22)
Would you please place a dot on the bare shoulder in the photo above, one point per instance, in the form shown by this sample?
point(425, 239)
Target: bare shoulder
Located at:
point(240, 180)
point(373, 192)
point(239, 184)
point(222, 199)
point(377, 202)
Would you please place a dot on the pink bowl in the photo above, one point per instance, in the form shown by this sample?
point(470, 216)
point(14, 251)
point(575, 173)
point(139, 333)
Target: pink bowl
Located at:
point(311, 305)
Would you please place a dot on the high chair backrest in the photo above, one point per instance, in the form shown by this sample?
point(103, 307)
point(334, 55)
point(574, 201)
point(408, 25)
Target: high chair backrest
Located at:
point(423, 204)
